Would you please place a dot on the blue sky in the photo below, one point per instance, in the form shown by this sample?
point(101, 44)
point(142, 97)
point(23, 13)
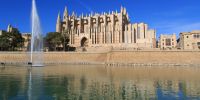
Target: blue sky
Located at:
point(166, 16)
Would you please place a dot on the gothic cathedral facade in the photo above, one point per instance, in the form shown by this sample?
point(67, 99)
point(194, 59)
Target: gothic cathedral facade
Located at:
point(106, 29)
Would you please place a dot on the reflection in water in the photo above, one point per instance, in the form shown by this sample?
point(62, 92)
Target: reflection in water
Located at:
point(99, 83)
point(9, 87)
point(30, 85)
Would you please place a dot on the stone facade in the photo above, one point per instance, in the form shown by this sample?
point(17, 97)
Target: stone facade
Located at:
point(107, 29)
point(11, 28)
point(26, 36)
point(1, 32)
point(167, 41)
point(190, 40)
point(27, 40)
point(112, 57)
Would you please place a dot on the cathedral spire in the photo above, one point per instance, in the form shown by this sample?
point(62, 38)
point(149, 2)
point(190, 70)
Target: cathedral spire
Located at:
point(65, 15)
point(82, 15)
point(58, 24)
point(73, 14)
point(125, 11)
point(58, 18)
point(9, 28)
point(122, 9)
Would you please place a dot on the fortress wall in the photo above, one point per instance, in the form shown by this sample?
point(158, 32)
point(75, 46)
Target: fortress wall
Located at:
point(121, 57)
point(55, 57)
point(75, 57)
point(14, 57)
point(161, 57)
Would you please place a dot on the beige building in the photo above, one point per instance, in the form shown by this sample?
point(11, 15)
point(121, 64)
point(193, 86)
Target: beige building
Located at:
point(27, 40)
point(106, 29)
point(167, 41)
point(11, 28)
point(1, 32)
point(190, 40)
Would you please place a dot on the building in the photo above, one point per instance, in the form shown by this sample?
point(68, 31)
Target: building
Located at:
point(106, 29)
point(27, 41)
point(26, 36)
point(190, 40)
point(11, 28)
point(152, 40)
point(1, 32)
point(167, 41)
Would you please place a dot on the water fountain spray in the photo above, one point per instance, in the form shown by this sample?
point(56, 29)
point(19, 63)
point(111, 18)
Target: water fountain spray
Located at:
point(36, 38)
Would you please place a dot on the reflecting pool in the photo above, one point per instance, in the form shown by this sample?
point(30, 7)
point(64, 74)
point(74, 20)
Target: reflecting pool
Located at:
point(75, 82)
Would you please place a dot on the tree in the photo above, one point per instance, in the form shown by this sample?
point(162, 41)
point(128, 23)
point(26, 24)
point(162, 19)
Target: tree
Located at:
point(17, 41)
point(11, 41)
point(55, 41)
point(4, 42)
point(66, 41)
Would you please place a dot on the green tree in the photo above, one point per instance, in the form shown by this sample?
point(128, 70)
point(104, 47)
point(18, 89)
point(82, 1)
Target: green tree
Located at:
point(4, 42)
point(11, 41)
point(55, 40)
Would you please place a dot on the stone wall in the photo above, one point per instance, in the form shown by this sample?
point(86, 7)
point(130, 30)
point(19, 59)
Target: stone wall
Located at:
point(55, 58)
point(113, 57)
point(156, 57)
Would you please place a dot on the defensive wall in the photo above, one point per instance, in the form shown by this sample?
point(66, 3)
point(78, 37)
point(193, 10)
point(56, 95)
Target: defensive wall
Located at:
point(114, 57)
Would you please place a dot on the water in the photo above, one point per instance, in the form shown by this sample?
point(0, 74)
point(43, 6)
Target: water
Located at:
point(99, 83)
point(36, 39)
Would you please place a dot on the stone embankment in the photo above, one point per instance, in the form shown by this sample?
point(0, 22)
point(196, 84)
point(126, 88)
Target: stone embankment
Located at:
point(111, 58)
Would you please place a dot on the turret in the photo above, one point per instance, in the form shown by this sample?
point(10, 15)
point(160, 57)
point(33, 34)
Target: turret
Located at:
point(122, 9)
point(9, 28)
point(65, 20)
point(82, 16)
point(65, 14)
point(127, 16)
point(73, 14)
point(58, 24)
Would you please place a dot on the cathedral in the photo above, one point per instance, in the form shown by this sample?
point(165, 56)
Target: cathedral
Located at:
point(112, 29)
